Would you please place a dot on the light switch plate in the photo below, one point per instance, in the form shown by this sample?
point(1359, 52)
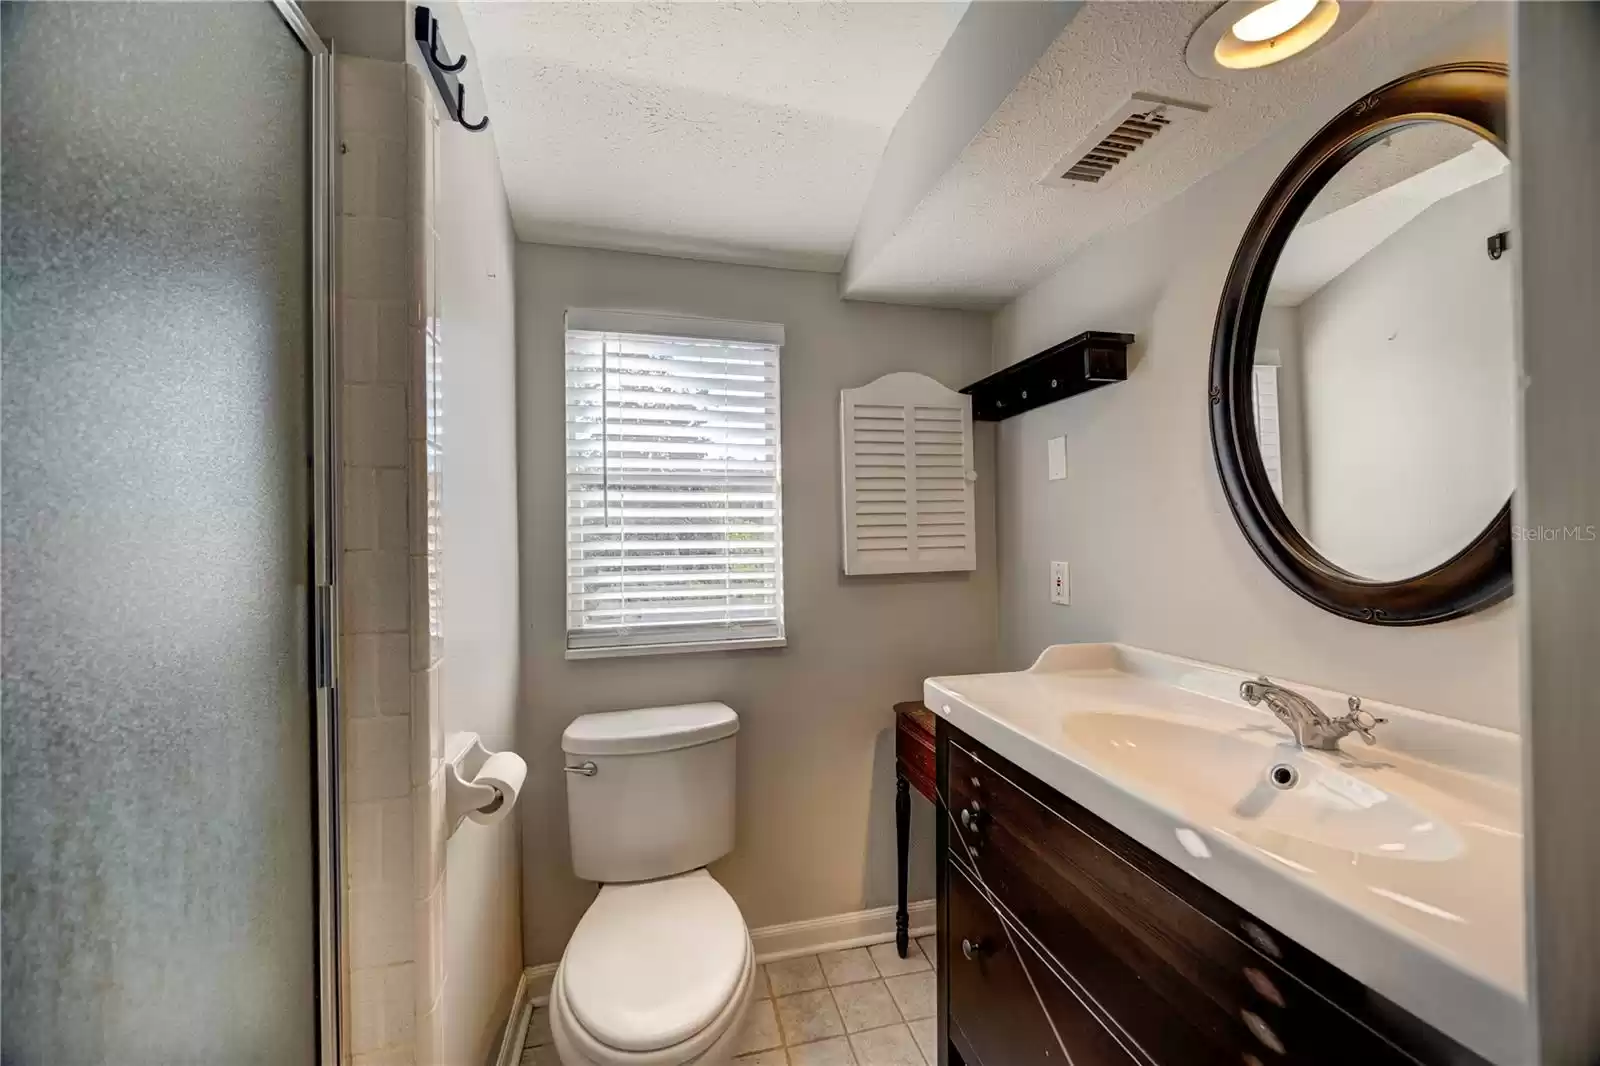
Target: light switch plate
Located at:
point(1058, 458)
point(1058, 584)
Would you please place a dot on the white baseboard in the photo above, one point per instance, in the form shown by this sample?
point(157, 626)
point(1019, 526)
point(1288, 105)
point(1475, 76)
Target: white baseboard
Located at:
point(539, 980)
point(809, 937)
point(516, 1031)
point(838, 931)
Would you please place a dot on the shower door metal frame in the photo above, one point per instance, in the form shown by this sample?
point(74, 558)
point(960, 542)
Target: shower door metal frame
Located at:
point(325, 541)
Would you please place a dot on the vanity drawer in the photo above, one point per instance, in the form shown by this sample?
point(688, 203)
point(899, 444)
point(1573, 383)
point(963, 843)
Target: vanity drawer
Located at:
point(1105, 935)
point(1185, 987)
point(1004, 1018)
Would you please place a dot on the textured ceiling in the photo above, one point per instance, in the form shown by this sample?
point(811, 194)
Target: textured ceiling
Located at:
point(988, 229)
point(746, 132)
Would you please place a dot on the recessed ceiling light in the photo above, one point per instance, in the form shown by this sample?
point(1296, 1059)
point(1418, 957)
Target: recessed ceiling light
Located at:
point(1273, 19)
point(1250, 34)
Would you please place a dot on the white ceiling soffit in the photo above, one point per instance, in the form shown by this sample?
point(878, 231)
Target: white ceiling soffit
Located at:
point(1378, 200)
point(993, 48)
point(987, 229)
point(742, 132)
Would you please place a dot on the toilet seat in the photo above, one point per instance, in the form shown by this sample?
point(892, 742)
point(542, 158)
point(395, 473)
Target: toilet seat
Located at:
point(658, 973)
point(714, 1044)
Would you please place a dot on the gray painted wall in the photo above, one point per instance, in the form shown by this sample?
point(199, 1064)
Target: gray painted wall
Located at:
point(816, 757)
point(479, 687)
point(1558, 319)
point(1156, 557)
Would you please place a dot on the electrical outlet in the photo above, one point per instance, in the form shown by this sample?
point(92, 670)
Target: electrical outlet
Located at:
point(1058, 584)
point(1057, 450)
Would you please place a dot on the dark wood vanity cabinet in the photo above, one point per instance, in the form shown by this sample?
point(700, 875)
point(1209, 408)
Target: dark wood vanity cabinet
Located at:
point(1063, 941)
point(1009, 1011)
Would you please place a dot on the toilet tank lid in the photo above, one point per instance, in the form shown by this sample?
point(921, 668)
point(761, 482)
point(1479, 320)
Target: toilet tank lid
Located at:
point(649, 729)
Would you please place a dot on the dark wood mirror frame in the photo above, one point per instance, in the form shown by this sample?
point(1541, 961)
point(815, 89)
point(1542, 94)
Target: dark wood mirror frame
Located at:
point(1469, 95)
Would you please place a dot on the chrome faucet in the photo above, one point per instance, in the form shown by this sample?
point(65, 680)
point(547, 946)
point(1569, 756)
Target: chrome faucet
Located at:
point(1311, 728)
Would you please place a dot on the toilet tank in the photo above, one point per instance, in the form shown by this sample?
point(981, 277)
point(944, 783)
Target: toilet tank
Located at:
point(660, 799)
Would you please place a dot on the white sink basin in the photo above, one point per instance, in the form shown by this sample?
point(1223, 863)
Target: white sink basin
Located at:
point(1400, 864)
point(1246, 783)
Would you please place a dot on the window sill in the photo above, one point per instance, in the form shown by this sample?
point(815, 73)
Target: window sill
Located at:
point(675, 649)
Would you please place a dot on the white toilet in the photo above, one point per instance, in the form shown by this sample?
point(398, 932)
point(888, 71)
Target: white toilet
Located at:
point(661, 970)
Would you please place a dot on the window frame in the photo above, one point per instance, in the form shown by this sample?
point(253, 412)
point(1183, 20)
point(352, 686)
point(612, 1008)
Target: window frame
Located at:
point(669, 327)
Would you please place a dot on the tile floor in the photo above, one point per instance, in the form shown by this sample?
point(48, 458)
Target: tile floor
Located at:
point(858, 1007)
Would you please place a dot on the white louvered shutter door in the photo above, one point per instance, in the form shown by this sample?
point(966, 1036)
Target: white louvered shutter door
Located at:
point(907, 476)
point(673, 489)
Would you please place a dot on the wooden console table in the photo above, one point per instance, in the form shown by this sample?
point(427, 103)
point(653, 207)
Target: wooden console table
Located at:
point(913, 768)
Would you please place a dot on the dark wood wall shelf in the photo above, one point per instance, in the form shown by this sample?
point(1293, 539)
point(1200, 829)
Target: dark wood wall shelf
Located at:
point(1087, 361)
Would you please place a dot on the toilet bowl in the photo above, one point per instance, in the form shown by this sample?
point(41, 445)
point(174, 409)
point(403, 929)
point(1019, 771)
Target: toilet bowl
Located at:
point(660, 970)
point(658, 973)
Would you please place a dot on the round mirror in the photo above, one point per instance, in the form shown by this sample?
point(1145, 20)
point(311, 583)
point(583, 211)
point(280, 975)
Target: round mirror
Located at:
point(1383, 365)
point(1363, 372)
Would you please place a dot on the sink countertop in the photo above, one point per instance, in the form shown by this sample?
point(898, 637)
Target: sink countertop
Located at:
point(1400, 863)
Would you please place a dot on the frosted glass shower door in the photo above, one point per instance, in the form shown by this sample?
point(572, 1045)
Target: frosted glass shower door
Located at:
point(155, 494)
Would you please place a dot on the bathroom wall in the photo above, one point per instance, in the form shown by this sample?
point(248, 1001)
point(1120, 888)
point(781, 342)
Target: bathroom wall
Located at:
point(1157, 559)
point(426, 320)
point(816, 762)
point(1558, 220)
point(474, 348)
point(388, 740)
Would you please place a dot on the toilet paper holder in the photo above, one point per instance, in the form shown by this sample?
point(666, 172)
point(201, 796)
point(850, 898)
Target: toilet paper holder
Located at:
point(480, 784)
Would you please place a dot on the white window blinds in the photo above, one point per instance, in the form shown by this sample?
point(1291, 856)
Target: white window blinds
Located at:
point(674, 524)
point(1267, 427)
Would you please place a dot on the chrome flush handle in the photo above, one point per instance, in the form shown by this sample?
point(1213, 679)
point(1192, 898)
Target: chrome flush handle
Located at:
point(587, 769)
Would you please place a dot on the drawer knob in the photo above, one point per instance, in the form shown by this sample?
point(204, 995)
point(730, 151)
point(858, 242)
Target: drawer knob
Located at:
point(1261, 1031)
point(1264, 943)
point(1263, 986)
point(972, 950)
point(972, 818)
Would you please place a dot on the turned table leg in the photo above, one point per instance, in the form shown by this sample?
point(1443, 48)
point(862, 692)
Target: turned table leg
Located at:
point(902, 834)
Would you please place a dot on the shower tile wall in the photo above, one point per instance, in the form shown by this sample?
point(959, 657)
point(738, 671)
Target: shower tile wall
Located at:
point(426, 427)
point(389, 411)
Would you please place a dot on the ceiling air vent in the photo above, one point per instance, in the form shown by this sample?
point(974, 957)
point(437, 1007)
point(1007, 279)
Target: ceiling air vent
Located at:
point(1133, 130)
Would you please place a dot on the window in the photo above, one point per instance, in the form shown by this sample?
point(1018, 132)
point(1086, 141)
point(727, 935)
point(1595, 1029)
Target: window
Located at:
point(674, 503)
point(1266, 411)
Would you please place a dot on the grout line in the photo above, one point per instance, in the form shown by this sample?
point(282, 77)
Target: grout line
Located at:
point(786, 1045)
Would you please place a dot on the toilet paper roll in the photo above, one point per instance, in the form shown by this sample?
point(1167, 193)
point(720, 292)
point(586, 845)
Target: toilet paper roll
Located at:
point(503, 771)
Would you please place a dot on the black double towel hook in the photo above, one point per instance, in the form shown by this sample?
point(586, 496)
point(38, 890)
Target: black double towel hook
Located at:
point(425, 28)
point(433, 52)
point(461, 107)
